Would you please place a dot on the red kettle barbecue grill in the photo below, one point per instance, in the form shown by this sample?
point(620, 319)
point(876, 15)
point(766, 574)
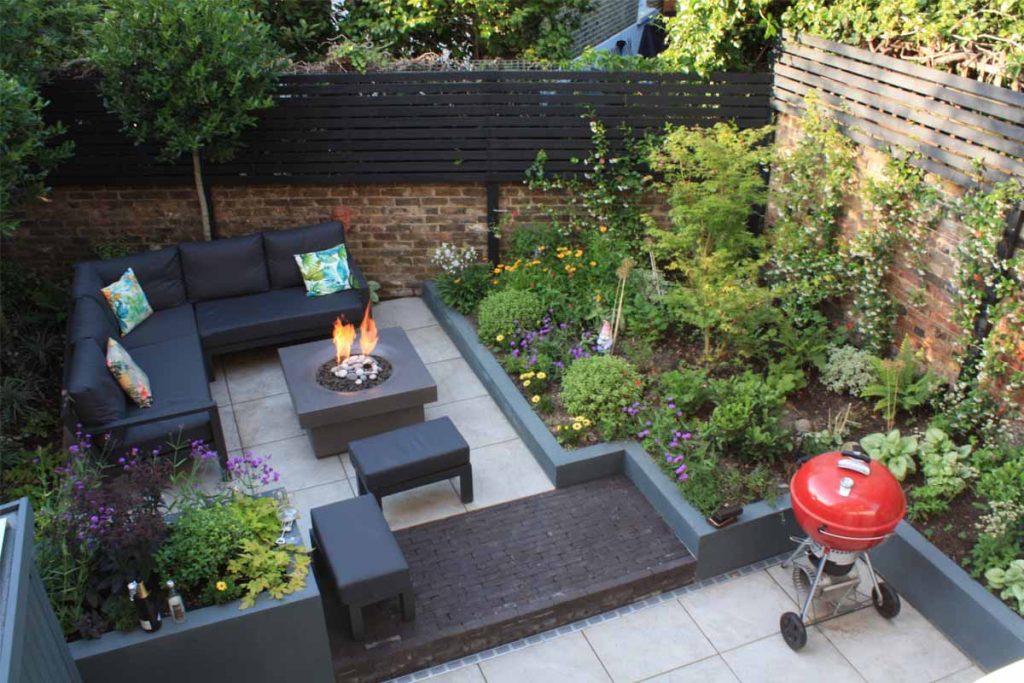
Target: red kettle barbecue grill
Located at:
point(847, 504)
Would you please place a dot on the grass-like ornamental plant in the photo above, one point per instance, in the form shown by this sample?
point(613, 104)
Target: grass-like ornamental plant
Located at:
point(188, 75)
point(501, 313)
point(601, 387)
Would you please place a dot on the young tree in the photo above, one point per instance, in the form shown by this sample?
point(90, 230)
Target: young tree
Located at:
point(186, 74)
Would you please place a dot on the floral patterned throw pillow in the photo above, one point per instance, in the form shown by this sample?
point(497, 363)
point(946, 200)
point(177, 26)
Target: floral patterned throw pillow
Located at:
point(128, 374)
point(325, 272)
point(128, 302)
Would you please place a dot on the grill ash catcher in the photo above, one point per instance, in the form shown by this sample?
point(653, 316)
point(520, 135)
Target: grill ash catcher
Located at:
point(846, 504)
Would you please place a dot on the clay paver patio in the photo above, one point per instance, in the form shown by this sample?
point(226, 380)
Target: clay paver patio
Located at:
point(724, 629)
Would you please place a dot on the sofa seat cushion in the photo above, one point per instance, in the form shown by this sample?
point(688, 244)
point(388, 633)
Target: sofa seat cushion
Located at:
point(281, 247)
point(224, 268)
point(170, 323)
point(226, 322)
point(168, 436)
point(158, 272)
point(177, 374)
point(95, 396)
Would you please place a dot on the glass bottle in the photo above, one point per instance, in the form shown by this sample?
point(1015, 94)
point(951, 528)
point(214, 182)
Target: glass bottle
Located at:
point(175, 603)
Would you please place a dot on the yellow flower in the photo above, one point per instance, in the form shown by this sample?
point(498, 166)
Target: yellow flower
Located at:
point(500, 338)
point(497, 270)
point(577, 426)
point(558, 428)
point(586, 422)
point(526, 382)
point(603, 228)
point(222, 586)
point(542, 375)
point(593, 263)
point(535, 399)
point(597, 297)
point(494, 282)
point(579, 252)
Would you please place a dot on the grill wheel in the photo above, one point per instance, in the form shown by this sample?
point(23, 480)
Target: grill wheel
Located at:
point(887, 602)
point(793, 630)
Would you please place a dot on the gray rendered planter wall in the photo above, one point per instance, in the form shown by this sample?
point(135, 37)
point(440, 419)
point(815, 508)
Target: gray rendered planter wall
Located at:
point(980, 624)
point(275, 640)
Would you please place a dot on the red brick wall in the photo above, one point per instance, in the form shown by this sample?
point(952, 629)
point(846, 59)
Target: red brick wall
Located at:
point(925, 303)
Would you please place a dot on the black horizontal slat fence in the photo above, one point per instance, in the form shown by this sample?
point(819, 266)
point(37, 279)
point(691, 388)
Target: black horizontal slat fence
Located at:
point(402, 127)
point(963, 130)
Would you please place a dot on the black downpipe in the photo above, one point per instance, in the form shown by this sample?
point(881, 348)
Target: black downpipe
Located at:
point(493, 218)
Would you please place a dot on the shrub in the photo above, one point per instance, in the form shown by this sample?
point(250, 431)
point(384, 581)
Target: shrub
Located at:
point(1004, 480)
point(501, 313)
point(747, 420)
point(848, 371)
point(946, 473)
point(601, 387)
point(688, 388)
point(893, 450)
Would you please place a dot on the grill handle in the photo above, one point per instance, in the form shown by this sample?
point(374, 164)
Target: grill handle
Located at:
point(857, 454)
point(825, 532)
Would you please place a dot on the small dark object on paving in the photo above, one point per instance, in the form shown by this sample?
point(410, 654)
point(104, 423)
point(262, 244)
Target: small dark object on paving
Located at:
point(358, 551)
point(410, 457)
point(328, 379)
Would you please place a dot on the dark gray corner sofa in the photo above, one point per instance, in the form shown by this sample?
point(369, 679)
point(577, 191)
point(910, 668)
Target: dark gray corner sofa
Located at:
point(208, 298)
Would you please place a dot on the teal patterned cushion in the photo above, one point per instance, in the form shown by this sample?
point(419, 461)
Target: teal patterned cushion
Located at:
point(129, 375)
point(324, 272)
point(128, 302)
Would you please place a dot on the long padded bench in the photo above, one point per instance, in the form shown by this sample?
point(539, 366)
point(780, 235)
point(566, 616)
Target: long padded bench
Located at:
point(208, 298)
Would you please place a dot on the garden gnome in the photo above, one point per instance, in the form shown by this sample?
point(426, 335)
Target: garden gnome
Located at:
point(604, 340)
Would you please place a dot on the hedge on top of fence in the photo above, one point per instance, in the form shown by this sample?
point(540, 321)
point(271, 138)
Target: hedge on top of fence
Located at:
point(429, 126)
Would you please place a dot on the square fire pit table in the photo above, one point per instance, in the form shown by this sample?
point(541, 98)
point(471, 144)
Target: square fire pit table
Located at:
point(333, 418)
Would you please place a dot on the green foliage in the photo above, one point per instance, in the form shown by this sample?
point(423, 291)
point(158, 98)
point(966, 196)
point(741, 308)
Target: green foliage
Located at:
point(901, 383)
point(38, 36)
point(360, 56)
point(302, 28)
point(501, 313)
point(946, 470)
point(464, 292)
point(467, 28)
point(689, 388)
point(747, 419)
point(715, 177)
point(1002, 477)
point(1010, 583)
point(259, 567)
point(893, 450)
point(601, 387)
point(712, 35)
point(973, 38)
point(607, 194)
point(809, 181)
point(848, 370)
point(186, 75)
point(204, 539)
point(26, 147)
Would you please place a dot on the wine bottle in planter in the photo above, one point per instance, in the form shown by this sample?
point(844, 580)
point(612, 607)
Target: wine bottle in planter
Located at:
point(149, 615)
point(175, 603)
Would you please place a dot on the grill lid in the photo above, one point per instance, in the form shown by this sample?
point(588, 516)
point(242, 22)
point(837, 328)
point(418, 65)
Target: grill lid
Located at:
point(848, 493)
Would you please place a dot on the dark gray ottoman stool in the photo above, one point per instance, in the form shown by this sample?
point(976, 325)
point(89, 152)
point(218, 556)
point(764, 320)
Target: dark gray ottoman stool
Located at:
point(408, 457)
point(361, 557)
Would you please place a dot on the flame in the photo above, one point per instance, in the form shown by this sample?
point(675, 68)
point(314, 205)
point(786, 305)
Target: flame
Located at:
point(344, 335)
point(367, 332)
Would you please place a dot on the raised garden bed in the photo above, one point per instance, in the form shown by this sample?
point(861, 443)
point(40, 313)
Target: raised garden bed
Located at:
point(931, 581)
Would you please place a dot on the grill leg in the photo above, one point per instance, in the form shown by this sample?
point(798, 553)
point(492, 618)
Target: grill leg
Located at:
point(814, 584)
point(871, 573)
point(799, 549)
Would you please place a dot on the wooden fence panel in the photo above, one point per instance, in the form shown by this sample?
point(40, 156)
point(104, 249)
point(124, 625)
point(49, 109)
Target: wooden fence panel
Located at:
point(468, 126)
point(962, 130)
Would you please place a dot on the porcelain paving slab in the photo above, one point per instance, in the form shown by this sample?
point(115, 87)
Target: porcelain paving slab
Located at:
point(253, 374)
point(409, 313)
point(265, 420)
point(634, 647)
point(505, 471)
point(456, 381)
point(710, 670)
point(479, 420)
point(432, 344)
point(739, 611)
point(770, 660)
point(567, 659)
point(907, 648)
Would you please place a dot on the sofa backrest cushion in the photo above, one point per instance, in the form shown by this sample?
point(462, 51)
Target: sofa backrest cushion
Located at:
point(91, 319)
point(97, 398)
point(224, 268)
point(282, 246)
point(158, 272)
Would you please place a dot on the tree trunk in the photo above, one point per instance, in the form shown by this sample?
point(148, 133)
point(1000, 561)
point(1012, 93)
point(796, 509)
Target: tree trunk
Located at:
point(204, 209)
